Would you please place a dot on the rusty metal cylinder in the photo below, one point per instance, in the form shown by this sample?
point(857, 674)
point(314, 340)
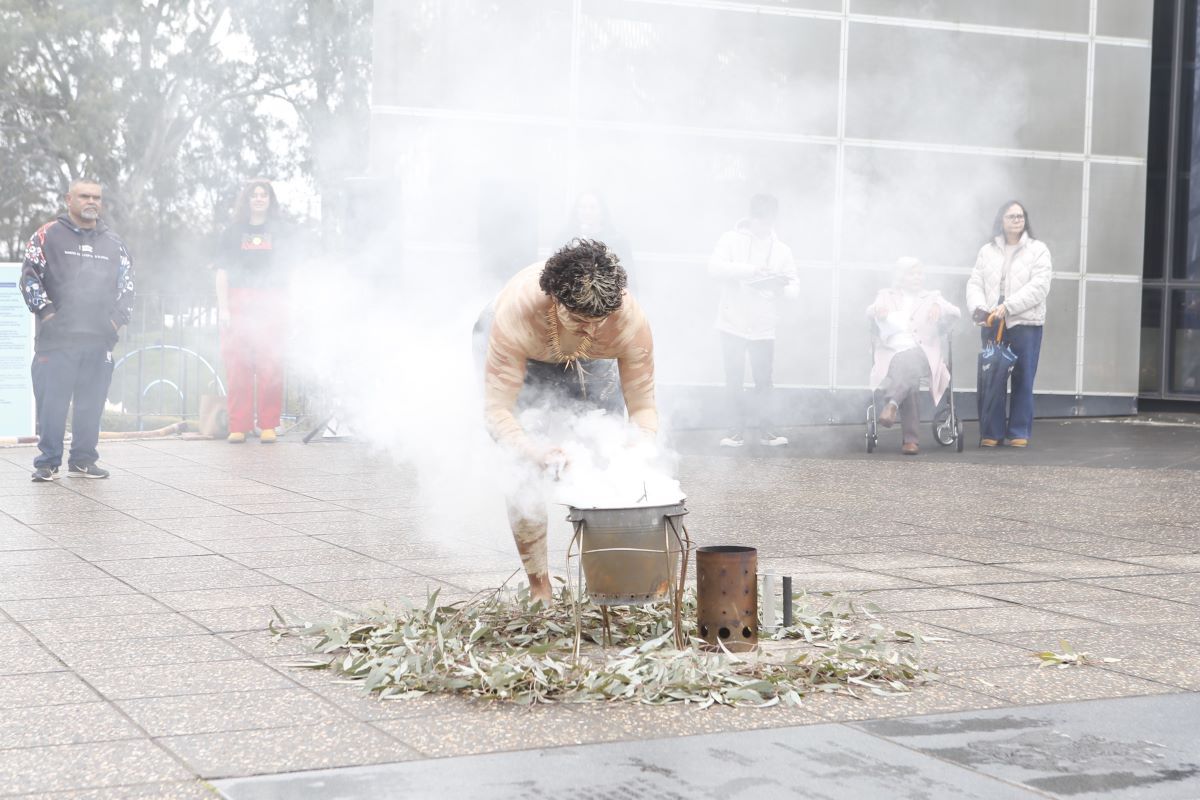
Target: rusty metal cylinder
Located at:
point(727, 596)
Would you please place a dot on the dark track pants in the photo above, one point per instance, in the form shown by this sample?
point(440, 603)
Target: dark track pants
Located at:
point(83, 374)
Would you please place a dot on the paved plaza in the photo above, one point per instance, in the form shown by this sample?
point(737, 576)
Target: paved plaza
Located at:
point(136, 661)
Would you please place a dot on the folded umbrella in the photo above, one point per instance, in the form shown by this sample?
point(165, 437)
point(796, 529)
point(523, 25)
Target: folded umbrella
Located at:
point(996, 362)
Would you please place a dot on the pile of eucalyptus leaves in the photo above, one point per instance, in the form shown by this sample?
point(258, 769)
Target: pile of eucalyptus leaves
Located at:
point(501, 645)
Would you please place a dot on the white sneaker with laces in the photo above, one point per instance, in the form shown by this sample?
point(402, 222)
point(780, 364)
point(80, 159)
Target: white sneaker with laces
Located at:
point(733, 440)
point(771, 440)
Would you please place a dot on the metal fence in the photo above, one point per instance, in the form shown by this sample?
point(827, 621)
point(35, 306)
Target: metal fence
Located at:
point(169, 358)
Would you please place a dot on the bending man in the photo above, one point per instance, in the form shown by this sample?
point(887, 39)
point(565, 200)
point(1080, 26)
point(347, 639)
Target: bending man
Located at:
point(565, 334)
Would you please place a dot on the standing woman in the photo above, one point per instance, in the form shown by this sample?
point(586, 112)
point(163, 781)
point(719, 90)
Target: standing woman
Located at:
point(1008, 287)
point(252, 308)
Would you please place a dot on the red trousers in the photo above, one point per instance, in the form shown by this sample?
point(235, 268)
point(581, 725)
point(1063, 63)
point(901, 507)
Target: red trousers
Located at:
point(252, 347)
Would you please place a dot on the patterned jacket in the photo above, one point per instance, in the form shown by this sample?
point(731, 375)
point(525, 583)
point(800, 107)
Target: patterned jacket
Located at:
point(79, 282)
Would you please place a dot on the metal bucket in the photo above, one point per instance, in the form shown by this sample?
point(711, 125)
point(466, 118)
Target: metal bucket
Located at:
point(630, 555)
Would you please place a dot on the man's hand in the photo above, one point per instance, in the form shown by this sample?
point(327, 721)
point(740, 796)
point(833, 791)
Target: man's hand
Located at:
point(554, 461)
point(881, 311)
point(998, 313)
point(935, 312)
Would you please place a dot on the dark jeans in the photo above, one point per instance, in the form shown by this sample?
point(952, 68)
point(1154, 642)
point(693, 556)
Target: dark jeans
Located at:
point(1026, 344)
point(755, 410)
point(82, 373)
point(901, 385)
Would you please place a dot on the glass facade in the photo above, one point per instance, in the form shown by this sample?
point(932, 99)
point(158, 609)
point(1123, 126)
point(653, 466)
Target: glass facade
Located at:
point(1170, 351)
point(885, 128)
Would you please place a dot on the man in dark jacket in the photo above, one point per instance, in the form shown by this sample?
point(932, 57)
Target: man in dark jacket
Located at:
point(78, 279)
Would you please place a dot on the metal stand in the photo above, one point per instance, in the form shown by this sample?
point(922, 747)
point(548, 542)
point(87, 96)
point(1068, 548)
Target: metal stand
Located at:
point(674, 532)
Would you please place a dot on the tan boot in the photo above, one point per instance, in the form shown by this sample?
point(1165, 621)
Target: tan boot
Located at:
point(236, 437)
point(267, 436)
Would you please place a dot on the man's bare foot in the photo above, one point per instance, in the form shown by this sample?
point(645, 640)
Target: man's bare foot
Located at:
point(540, 589)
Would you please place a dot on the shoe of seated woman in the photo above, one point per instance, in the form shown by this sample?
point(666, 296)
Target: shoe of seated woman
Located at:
point(236, 437)
point(988, 442)
point(1016, 442)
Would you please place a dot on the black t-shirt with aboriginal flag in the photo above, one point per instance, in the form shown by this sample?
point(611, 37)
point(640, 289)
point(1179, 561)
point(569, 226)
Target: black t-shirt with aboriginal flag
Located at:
point(254, 256)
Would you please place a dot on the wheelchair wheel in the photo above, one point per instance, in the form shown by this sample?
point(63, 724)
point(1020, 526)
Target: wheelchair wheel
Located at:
point(958, 437)
point(945, 428)
point(872, 430)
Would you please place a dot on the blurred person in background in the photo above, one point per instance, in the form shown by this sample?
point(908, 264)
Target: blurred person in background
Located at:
point(77, 277)
point(591, 219)
point(911, 321)
point(1007, 289)
point(756, 271)
point(563, 335)
point(251, 268)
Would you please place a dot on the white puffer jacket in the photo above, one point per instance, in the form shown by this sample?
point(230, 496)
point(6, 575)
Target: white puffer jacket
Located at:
point(1024, 288)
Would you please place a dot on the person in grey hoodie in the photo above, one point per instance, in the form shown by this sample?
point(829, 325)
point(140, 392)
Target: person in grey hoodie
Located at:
point(77, 278)
point(756, 270)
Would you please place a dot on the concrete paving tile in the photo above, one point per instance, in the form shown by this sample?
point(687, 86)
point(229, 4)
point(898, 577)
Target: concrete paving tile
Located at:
point(961, 576)
point(1085, 568)
point(26, 657)
point(277, 509)
point(82, 766)
point(331, 515)
point(24, 540)
point(264, 645)
point(258, 618)
point(1034, 684)
point(74, 570)
point(106, 538)
point(182, 511)
point(80, 607)
point(1042, 592)
point(213, 599)
point(282, 559)
point(121, 552)
point(850, 582)
point(415, 587)
point(11, 558)
point(76, 587)
point(90, 656)
point(1133, 610)
point(43, 689)
point(322, 746)
point(1188, 562)
point(213, 525)
point(164, 680)
point(230, 711)
point(259, 544)
point(52, 516)
point(1123, 549)
point(167, 565)
point(64, 724)
point(182, 790)
point(1108, 641)
point(336, 572)
point(235, 577)
point(1167, 586)
point(925, 599)
point(900, 559)
point(998, 619)
point(932, 698)
point(95, 629)
point(66, 528)
point(960, 652)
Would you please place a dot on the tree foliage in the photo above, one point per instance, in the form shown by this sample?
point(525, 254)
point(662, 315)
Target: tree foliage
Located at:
point(172, 104)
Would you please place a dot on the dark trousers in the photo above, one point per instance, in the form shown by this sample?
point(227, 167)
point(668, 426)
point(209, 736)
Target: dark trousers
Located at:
point(901, 385)
point(755, 410)
point(1026, 344)
point(81, 373)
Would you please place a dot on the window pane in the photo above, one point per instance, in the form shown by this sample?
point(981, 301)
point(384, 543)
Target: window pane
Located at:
point(1185, 341)
point(1150, 379)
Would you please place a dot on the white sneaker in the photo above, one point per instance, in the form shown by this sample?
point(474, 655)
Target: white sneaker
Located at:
point(771, 440)
point(733, 440)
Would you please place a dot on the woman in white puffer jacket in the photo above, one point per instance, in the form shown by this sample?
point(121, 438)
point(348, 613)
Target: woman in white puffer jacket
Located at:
point(1009, 285)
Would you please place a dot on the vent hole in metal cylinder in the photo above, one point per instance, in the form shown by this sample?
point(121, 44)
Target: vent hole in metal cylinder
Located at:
point(723, 633)
point(746, 633)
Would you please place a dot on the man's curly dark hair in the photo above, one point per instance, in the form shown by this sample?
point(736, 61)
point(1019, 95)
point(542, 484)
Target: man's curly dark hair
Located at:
point(585, 276)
